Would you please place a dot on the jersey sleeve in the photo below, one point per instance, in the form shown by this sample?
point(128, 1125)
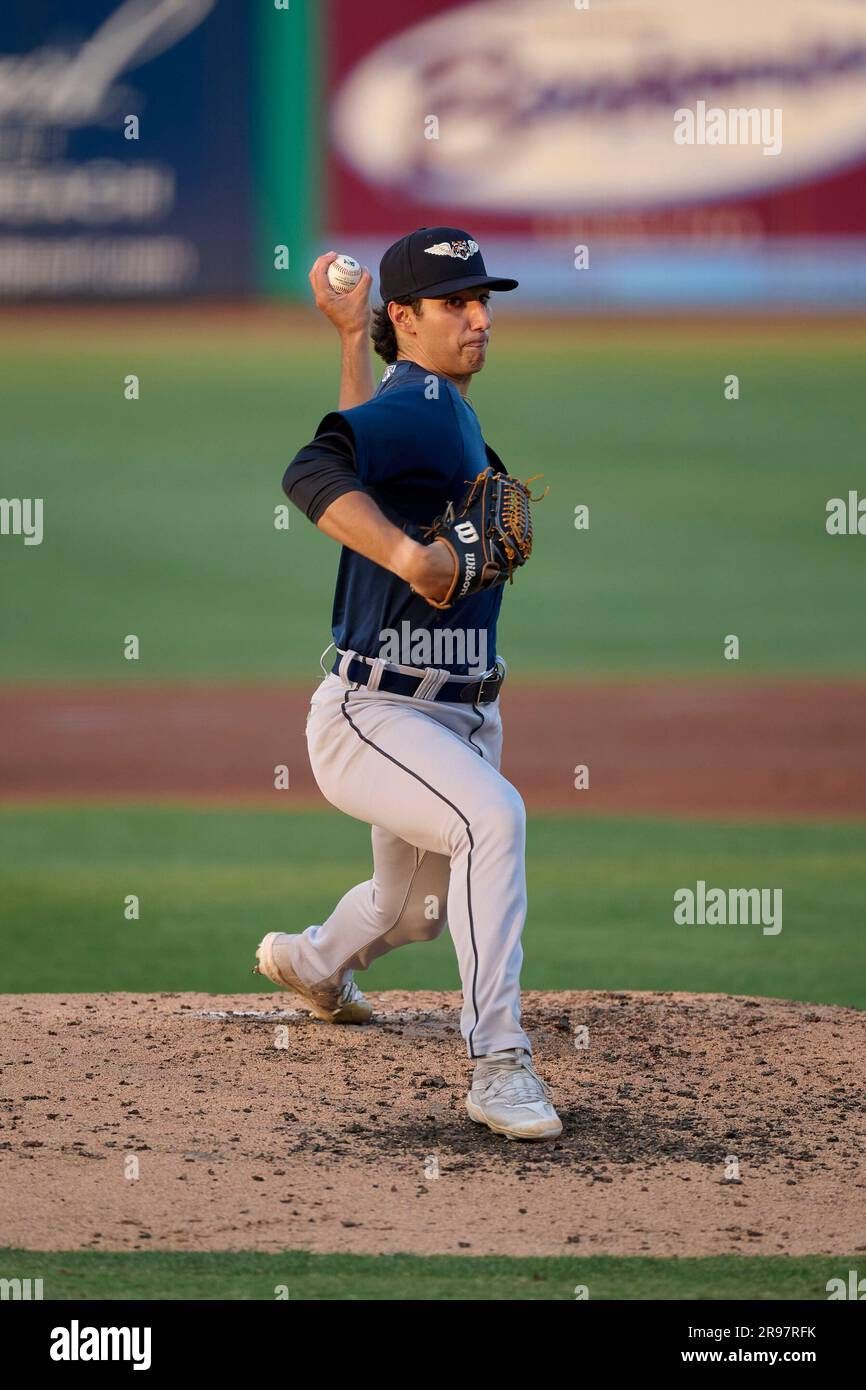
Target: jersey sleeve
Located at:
point(402, 437)
point(321, 472)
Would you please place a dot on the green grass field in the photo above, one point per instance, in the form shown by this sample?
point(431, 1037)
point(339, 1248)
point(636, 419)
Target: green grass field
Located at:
point(212, 882)
point(298, 1275)
point(707, 516)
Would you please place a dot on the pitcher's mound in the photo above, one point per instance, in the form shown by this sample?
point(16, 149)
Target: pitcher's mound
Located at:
point(694, 1124)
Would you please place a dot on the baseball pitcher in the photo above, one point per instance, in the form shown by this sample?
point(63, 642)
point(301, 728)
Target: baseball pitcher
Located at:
point(404, 732)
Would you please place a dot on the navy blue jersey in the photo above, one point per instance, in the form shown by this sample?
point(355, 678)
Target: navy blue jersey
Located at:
point(417, 443)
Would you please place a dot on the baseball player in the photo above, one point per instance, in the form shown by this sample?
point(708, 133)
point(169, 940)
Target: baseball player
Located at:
point(404, 732)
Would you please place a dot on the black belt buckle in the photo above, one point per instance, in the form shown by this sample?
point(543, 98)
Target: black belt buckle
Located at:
point(490, 683)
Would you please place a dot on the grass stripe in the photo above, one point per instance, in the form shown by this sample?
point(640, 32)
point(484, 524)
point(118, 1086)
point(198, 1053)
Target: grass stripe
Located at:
point(210, 883)
point(248, 1275)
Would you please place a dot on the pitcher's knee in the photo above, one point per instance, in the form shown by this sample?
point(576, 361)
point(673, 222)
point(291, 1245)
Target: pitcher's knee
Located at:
point(417, 916)
point(416, 923)
point(501, 820)
point(419, 927)
point(426, 908)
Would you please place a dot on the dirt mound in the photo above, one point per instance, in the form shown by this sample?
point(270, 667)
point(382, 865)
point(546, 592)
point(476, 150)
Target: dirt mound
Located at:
point(254, 1126)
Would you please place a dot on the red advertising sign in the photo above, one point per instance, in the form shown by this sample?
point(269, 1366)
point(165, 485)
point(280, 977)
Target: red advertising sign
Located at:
point(647, 118)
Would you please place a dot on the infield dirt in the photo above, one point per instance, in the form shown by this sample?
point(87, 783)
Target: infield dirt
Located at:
point(771, 750)
point(356, 1139)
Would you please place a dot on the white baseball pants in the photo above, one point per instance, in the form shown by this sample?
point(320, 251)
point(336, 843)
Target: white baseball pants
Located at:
point(449, 842)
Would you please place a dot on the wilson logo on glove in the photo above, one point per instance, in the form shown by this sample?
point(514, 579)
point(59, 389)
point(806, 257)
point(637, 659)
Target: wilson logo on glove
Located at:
point(470, 574)
point(494, 513)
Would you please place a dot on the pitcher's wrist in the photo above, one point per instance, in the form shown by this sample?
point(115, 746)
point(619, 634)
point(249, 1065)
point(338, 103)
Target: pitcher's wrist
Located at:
point(356, 335)
point(410, 561)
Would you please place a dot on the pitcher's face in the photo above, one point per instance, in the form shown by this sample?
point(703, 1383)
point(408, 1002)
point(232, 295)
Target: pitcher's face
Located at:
point(450, 335)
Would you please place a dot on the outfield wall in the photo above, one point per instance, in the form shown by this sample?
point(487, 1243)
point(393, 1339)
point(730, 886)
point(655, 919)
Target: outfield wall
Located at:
point(615, 155)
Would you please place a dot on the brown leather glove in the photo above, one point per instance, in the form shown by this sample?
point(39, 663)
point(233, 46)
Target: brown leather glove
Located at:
point(489, 534)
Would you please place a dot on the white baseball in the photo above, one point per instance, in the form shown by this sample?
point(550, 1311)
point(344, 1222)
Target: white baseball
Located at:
point(344, 274)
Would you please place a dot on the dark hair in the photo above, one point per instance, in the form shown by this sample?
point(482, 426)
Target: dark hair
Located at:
point(383, 333)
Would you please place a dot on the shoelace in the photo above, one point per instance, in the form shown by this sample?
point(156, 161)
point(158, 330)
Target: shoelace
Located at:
point(519, 1083)
point(349, 992)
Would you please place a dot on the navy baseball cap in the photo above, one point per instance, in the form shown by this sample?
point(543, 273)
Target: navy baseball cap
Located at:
point(435, 261)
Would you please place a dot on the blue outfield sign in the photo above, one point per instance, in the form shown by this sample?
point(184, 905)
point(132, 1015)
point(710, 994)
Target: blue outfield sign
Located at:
point(124, 148)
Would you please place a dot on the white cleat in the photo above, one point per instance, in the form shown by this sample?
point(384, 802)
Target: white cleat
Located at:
point(334, 1003)
point(510, 1097)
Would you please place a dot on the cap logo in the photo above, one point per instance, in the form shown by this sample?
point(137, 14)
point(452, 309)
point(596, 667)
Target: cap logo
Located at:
point(458, 250)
